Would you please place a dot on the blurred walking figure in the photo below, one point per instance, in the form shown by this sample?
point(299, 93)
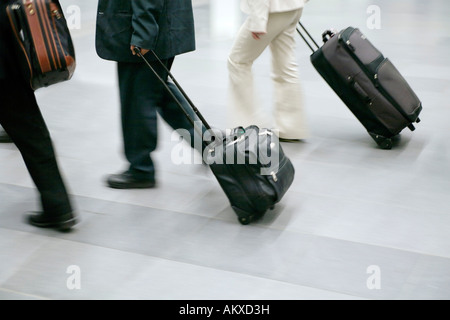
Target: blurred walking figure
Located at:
point(270, 23)
point(4, 137)
point(167, 27)
point(21, 118)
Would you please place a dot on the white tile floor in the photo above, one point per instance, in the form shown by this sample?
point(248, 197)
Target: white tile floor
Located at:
point(352, 206)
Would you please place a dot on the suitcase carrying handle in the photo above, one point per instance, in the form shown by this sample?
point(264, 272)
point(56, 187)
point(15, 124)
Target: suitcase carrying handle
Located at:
point(327, 35)
point(308, 36)
point(196, 111)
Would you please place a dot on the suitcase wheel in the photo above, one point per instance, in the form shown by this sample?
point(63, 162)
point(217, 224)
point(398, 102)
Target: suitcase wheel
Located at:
point(245, 221)
point(245, 217)
point(386, 144)
point(383, 142)
point(249, 219)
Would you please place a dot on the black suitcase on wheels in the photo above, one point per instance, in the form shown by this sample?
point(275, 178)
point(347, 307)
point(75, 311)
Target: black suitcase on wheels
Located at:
point(249, 163)
point(366, 81)
point(258, 175)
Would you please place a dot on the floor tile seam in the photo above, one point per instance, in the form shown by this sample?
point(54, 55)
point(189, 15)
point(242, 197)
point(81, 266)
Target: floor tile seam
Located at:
point(273, 228)
point(271, 279)
point(398, 206)
point(124, 202)
point(51, 238)
point(29, 257)
point(199, 215)
point(215, 218)
point(409, 251)
point(293, 231)
point(6, 290)
point(304, 158)
point(156, 257)
point(198, 265)
point(145, 207)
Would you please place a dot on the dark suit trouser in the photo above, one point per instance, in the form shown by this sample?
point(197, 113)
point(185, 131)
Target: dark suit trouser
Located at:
point(22, 120)
point(142, 97)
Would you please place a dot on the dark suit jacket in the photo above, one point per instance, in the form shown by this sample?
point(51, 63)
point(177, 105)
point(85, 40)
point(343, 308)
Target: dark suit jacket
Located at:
point(166, 26)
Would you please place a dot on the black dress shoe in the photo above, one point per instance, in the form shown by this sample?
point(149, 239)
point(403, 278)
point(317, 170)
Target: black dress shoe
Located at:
point(62, 222)
point(4, 137)
point(128, 181)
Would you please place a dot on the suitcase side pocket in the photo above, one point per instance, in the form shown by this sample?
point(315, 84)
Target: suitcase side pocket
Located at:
point(376, 102)
point(360, 47)
point(283, 178)
point(398, 90)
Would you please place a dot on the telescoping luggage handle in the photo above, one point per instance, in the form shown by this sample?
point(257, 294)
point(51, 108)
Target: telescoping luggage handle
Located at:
point(196, 111)
point(308, 38)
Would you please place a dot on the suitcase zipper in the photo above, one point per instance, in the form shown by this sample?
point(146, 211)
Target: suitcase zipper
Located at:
point(56, 14)
point(274, 176)
point(351, 50)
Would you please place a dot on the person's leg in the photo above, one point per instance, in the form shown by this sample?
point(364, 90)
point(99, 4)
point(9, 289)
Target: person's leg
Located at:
point(23, 121)
point(139, 119)
point(243, 103)
point(176, 117)
point(141, 94)
point(4, 137)
point(288, 112)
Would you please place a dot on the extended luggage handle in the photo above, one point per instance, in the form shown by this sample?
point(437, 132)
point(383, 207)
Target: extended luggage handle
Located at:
point(216, 138)
point(308, 38)
point(327, 35)
point(137, 50)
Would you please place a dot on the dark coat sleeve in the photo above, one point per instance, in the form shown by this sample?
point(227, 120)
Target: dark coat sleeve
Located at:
point(146, 15)
point(165, 26)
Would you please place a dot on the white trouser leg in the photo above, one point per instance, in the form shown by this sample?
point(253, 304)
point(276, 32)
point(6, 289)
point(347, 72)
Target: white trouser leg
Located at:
point(244, 108)
point(243, 104)
point(289, 116)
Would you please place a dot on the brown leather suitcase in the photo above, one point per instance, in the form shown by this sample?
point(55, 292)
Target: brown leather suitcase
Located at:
point(43, 41)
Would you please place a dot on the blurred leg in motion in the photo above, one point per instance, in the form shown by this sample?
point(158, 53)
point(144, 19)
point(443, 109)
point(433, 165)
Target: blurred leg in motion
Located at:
point(4, 137)
point(22, 119)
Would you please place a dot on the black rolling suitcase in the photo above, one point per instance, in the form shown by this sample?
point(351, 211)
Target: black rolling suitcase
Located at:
point(249, 163)
point(367, 82)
